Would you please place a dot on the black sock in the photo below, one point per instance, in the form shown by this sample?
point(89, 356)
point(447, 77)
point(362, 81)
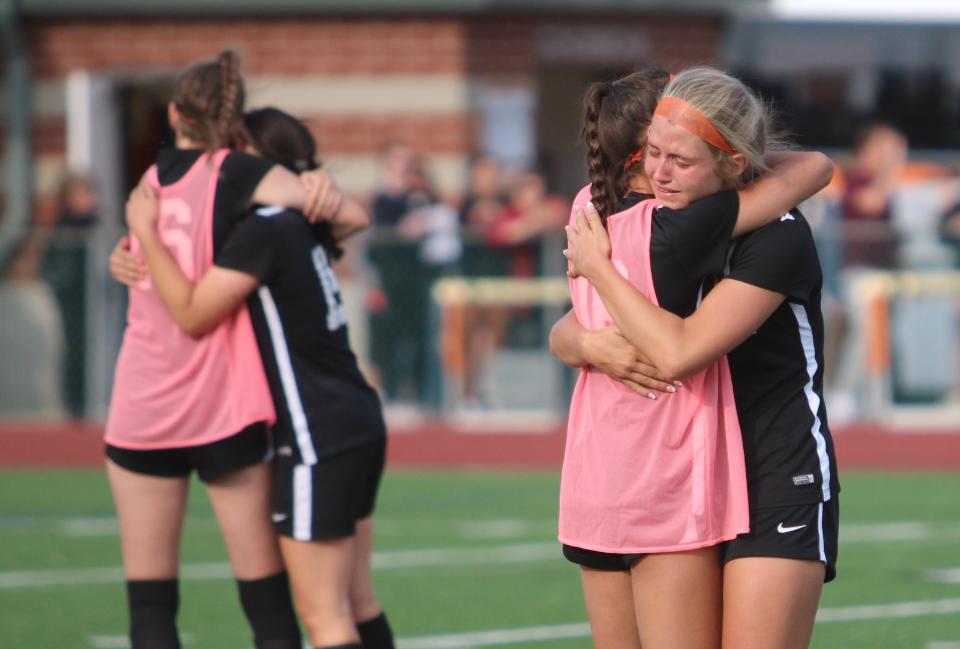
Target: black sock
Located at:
point(153, 605)
point(269, 609)
point(376, 633)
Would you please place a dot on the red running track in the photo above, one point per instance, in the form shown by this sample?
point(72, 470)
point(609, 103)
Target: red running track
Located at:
point(438, 445)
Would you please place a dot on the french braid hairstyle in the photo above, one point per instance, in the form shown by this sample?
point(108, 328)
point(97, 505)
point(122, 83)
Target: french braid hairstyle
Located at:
point(616, 115)
point(209, 97)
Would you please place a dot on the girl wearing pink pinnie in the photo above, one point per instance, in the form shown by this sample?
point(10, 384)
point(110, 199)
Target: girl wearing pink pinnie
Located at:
point(652, 488)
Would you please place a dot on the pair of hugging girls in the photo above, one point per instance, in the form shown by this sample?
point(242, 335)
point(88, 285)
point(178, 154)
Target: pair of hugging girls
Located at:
point(236, 353)
point(699, 491)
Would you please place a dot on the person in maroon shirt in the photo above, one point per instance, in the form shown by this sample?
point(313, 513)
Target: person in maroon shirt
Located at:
point(880, 155)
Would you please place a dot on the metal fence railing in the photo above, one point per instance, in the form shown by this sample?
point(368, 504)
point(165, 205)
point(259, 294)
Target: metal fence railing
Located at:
point(469, 336)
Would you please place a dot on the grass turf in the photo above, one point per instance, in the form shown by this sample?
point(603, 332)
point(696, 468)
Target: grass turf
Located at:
point(59, 525)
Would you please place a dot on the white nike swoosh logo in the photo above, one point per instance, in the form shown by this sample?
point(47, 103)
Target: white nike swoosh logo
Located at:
point(794, 528)
point(278, 518)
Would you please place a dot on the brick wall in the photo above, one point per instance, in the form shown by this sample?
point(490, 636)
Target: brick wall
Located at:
point(287, 48)
point(508, 48)
point(269, 46)
point(372, 51)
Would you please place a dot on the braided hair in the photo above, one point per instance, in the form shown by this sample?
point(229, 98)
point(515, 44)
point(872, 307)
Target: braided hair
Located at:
point(616, 117)
point(209, 97)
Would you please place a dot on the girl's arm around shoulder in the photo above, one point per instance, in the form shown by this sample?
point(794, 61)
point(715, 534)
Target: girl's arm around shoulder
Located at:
point(676, 346)
point(679, 347)
point(327, 202)
point(196, 308)
point(349, 219)
point(280, 186)
point(793, 178)
point(202, 306)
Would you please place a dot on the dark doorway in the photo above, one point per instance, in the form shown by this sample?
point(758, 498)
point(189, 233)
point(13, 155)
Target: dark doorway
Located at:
point(144, 129)
point(561, 154)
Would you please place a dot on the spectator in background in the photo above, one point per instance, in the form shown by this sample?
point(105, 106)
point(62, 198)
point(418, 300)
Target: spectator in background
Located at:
point(415, 239)
point(31, 334)
point(510, 229)
point(485, 197)
point(528, 214)
point(430, 222)
point(64, 267)
point(484, 200)
point(879, 157)
point(402, 186)
point(823, 212)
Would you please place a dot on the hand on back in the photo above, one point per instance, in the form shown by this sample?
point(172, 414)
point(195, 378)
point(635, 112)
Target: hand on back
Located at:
point(143, 210)
point(588, 245)
point(125, 267)
point(324, 196)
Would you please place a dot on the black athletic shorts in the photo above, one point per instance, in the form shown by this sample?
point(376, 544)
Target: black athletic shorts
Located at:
point(325, 500)
point(248, 447)
point(791, 532)
point(608, 561)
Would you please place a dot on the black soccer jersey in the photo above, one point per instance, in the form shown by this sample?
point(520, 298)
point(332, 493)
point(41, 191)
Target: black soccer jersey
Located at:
point(688, 245)
point(778, 371)
point(324, 405)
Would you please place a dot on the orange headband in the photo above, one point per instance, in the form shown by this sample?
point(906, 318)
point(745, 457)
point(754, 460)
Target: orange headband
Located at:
point(687, 117)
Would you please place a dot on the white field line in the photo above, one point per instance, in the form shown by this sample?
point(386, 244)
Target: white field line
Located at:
point(108, 641)
point(494, 528)
point(387, 560)
point(123, 642)
point(436, 557)
point(901, 531)
point(517, 553)
point(945, 576)
point(898, 531)
point(898, 610)
point(496, 637)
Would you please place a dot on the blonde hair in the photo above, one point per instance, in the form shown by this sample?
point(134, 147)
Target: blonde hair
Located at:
point(740, 117)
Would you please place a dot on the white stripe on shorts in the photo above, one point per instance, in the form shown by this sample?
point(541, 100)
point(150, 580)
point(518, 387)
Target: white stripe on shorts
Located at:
point(302, 502)
point(823, 553)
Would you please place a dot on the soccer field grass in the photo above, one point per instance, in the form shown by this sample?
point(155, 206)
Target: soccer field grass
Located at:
point(462, 560)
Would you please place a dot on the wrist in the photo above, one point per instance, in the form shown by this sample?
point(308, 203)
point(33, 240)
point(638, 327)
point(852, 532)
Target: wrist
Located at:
point(148, 236)
point(598, 271)
point(585, 346)
point(338, 210)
